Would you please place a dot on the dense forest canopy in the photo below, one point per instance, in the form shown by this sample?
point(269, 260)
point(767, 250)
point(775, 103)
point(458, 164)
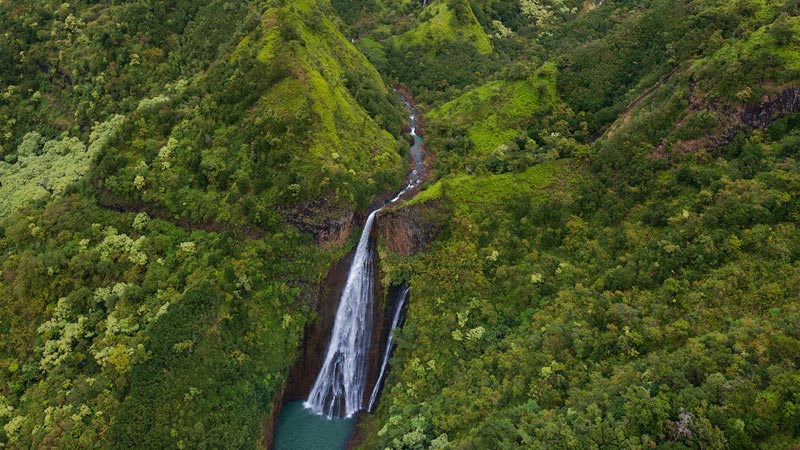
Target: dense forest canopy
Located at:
point(154, 155)
point(615, 195)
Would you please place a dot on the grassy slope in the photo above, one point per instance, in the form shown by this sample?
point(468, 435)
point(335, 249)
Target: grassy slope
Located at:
point(303, 128)
point(434, 50)
point(491, 191)
point(438, 23)
point(497, 111)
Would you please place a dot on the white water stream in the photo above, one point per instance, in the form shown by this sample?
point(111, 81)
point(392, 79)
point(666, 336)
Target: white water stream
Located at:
point(340, 385)
point(398, 309)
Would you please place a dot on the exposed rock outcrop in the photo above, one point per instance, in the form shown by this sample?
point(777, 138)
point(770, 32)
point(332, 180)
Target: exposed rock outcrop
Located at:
point(316, 334)
point(771, 108)
point(330, 225)
point(269, 423)
point(408, 230)
point(381, 319)
point(733, 119)
point(393, 294)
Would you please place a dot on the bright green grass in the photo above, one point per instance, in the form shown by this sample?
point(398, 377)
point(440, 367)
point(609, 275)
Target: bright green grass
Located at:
point(468, 191)
point(497, 111)
point(344, 138)
point(762, 39)
point(729, 69)
point(442, 26)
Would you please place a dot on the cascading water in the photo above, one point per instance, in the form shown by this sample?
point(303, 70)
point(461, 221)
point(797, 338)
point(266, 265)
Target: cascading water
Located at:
point(339, 388)
point(323, 421)
point(398, 309)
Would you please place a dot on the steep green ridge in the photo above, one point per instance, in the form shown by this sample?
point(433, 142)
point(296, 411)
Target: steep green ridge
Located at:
point(435, 50)
point(153, 291)
point(440, 22)
point(284, 115)
point(278, 125)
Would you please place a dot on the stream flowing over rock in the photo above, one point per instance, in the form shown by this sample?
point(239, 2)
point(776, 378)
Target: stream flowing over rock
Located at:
point(340, 385)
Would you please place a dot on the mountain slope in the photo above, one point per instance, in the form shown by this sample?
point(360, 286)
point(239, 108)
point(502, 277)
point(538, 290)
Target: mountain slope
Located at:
point(156, 273)
point(610, 256)
point(640, 295)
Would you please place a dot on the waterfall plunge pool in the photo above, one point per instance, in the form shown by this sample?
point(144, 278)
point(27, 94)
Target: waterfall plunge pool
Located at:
point(299, 428)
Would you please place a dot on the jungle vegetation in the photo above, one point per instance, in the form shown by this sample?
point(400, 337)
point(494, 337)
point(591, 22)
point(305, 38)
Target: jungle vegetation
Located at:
point(616, 188)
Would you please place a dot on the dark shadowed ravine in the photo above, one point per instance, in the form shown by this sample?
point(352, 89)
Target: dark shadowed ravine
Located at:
point(343, 388)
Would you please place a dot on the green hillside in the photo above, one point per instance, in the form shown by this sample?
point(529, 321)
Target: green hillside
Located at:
point(606, 252)
point(498, 111)
point(154, 277)
point(642, 294)
point(441, 21)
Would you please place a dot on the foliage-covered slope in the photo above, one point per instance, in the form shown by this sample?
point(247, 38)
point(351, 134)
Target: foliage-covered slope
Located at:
point(618, 197)
point(642, 295)
point(285, 111)
point(276, 122)
point(442, 21)
point(497, 111)
point(435, 50)
point(153, 294)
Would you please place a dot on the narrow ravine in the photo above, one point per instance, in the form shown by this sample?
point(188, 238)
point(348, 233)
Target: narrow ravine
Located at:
point(325, 420)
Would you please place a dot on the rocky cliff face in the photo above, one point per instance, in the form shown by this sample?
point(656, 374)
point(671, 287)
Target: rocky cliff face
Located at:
point(315, 340)
point(771, 108)
point(381, 319)
point(269, 422)
point(407, 230)
point(310, 353)
point(330, 225)
point(317, 333)
point(734, 119)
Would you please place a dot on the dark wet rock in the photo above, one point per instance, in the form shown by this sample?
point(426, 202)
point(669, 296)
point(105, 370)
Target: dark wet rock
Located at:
point(317, 332)
point(771, 108)
point(330, 225)
point(409, 230)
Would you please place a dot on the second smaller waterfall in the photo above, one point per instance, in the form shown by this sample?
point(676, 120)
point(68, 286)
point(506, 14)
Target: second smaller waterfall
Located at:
point(398, 310)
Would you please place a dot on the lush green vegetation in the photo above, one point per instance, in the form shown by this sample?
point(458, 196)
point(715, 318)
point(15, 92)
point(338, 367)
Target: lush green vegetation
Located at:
point(124, 331)
point(153, 154)
point(466, 191)
point(499, 110)
point(657, 311)
point(442, 22)
point(618, 261)
point(640, 295)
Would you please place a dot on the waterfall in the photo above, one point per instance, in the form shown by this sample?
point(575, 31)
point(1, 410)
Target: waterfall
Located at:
point(340, 385)
point(398, 309)
point(339, 388)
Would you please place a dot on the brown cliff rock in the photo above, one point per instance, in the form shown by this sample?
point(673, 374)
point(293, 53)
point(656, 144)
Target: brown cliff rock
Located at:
point(330, 224)
point(409, 230)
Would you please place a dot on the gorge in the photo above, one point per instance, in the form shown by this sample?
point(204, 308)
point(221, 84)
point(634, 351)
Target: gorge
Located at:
point(341, 389)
